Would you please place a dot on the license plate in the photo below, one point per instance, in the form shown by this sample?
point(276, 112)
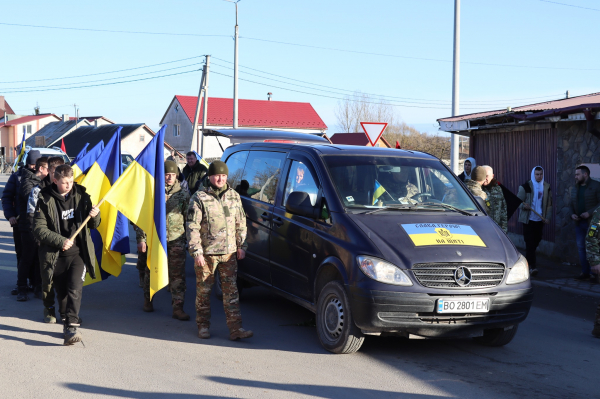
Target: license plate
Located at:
point(463, 305)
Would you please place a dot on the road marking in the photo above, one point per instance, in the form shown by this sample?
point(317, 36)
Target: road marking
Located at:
point(9, 268)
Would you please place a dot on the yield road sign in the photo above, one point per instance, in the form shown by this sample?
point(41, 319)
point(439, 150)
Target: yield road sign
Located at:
point(373, 130)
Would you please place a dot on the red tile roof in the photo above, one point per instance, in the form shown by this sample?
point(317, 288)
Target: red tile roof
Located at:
point(5, 106)
point(544, 106)
point(255, 113)
point(26, 119)
point(354, 139)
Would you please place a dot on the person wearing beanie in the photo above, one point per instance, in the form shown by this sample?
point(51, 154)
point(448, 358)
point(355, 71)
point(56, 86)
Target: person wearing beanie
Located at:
point(194, 172)
point(216, 233)
point(10, 203)
point(475, 184)
point(177, 201)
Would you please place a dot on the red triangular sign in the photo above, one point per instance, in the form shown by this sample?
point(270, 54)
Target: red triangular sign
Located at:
point(373, 130)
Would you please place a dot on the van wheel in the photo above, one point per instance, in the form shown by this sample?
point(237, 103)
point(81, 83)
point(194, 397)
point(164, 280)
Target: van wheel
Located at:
point(335, 327)
point(219, 290)
point(497, 336)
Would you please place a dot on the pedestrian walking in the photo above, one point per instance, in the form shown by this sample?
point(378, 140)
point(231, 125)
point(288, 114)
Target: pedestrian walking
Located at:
point(177, 201)
point(10, 206)
point(498, 209)
point(216, 231)
point(61, 210)
point(585, 198)
point(468, 167)
point(475, 185)
point(592, 248)
point(29, 267)
point(535, 212)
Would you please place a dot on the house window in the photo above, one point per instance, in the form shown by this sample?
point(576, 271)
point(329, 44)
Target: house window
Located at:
point(142, 137)
point(176, 108)
point(176, 130)
point(28, 129)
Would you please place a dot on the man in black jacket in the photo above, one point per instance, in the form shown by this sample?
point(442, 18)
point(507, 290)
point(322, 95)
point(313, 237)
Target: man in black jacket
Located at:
point(28, 264)
point(194, 172)
point(10, 206)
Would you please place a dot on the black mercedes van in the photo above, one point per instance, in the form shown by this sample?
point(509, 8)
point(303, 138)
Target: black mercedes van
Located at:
point(375, 241)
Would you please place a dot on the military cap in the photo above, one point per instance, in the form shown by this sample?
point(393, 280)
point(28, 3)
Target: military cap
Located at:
point(171, 167)
point(218, 168)
point(479, 173)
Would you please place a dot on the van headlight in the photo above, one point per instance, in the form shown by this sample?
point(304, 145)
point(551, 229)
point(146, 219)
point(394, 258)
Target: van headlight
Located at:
point(382, 271)
point(519, 272)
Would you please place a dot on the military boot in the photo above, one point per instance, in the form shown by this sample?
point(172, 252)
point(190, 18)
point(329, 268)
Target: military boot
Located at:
point(179, 314)
point(240, 333)
point(596, 330)
point(49, 315)
point(203, 333)
point(148, 307)
point(72, 335)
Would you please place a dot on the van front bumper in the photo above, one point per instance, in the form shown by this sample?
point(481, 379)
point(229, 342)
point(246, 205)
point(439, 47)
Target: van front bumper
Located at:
point(414, 313)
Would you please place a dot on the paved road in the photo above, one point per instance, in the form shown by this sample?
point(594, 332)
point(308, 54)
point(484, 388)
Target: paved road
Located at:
point(132, 354)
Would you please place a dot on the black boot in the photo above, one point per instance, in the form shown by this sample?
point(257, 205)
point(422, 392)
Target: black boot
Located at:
point(22, 294)
point(72, 335)
point(15, 290)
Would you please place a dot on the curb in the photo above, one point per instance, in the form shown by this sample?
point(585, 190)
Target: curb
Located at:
point(566, 289)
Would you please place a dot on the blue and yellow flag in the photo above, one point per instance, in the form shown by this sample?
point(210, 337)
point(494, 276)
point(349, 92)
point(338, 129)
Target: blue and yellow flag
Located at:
point(111, 238)
point(81, 154)
point(377, 192)
point(202, 161)
point(21, 154)
point(81, 167)
point(140, 195)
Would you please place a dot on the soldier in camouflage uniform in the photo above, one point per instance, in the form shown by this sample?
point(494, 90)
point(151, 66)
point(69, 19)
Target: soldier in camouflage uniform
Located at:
point(177, 201)
point(475, 185)
point(592, 247)
point(216, 231)
point(498, 211)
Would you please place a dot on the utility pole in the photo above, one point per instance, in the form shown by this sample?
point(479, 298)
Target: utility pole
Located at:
point(76, 115)
point(455, 84)
point(205, 107)
point(195, 128)
point(235, 66)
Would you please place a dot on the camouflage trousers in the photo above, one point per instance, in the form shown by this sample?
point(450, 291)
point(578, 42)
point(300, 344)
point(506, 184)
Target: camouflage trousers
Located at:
point(176, 260)
point(205, 277)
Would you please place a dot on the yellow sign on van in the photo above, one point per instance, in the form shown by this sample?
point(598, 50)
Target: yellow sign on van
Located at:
point(423, 234)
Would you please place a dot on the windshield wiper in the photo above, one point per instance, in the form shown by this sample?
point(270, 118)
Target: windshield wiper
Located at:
point(446, 206)
point(399, 207)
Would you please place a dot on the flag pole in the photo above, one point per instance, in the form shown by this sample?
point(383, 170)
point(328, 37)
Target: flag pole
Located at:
point(87, 219)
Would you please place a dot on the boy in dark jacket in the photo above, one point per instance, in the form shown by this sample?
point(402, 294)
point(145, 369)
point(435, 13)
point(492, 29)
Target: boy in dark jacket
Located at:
point(61, 209)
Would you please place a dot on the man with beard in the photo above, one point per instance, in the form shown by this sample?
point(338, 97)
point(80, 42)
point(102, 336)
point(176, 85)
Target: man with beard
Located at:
point(585, 198)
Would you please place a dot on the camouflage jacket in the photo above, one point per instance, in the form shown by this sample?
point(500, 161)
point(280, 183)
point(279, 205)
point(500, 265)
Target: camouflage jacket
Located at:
point(216, 226)
point(497, 205)
point(476, 190)
point(177, 201)
point(592, 239)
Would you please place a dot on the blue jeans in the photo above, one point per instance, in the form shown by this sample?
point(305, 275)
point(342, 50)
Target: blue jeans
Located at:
point(581, 229)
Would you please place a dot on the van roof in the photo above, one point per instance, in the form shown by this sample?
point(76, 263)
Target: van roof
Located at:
point(240, 136)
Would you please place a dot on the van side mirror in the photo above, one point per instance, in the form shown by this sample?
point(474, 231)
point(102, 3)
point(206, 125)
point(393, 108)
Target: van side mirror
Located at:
point(298, 203)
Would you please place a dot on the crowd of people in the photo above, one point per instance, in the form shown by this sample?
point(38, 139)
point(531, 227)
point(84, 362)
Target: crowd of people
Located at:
point(51, 217)
point(534, 200)
point(48, 213)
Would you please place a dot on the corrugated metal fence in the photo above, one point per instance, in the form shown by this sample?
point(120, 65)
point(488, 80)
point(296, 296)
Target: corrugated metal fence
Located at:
point(512, 155)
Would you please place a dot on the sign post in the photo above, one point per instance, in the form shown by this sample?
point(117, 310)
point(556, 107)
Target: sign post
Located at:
point(373, 130)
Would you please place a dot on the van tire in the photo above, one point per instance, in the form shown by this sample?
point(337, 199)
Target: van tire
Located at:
point(497, 336)
point(218, 290)
point(335, 327)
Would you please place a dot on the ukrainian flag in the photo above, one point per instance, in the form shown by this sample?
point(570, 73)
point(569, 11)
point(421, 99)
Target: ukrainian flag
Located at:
point(378, 192)
point(111, 238)
point(202, 161)
point(81, 154)
point(21, 154)
point(81, 167)
point(140, 195)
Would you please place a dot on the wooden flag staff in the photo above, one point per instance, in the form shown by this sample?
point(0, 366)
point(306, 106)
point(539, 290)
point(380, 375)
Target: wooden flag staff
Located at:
point(87, 219)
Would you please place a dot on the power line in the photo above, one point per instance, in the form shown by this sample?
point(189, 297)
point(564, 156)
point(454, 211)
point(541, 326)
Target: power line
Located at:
point(104, 73)
point(97, 80)
point(570, 5)
point(103, 84)
point(442, 102)
point(312, 46)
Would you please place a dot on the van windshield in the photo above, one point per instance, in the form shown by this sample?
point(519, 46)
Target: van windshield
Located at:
point(378, 181)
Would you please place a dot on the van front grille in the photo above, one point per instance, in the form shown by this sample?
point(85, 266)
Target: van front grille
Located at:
point(444, 275)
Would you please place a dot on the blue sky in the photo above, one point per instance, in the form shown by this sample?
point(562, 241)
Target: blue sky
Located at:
point(513, 52)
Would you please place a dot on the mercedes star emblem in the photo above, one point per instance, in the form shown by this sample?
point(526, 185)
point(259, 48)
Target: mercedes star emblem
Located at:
point(462, 276)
